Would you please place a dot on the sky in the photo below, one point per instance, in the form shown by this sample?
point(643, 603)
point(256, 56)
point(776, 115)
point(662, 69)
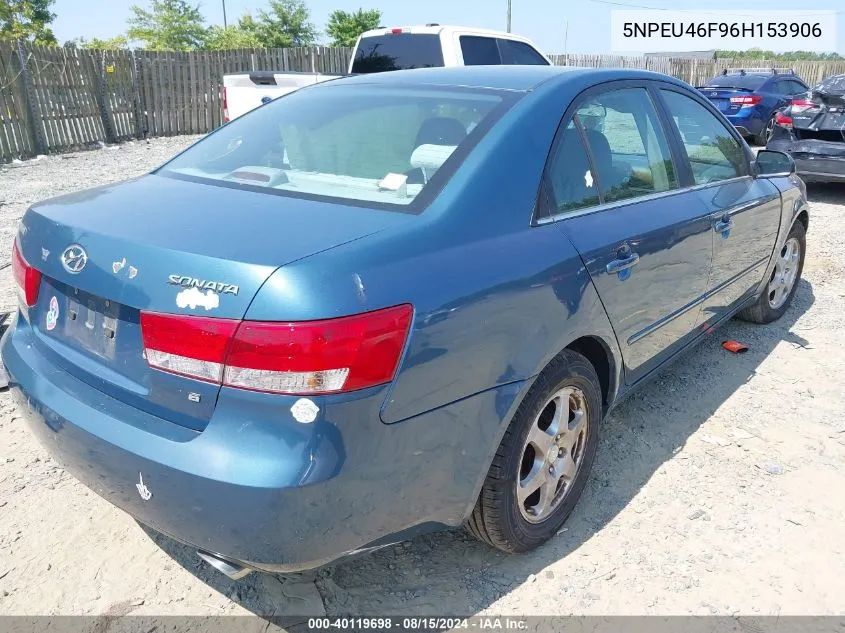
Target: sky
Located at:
point(556, 26)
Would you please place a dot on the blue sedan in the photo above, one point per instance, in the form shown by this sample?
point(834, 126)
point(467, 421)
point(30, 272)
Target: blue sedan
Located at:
point(751, 99)
point(391, 304)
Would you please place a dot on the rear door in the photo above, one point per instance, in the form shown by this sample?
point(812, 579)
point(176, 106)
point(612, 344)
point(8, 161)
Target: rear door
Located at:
point(614, 188)
point(745, 212)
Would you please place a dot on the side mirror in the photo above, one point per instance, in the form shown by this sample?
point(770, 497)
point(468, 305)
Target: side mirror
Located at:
point(772, 163)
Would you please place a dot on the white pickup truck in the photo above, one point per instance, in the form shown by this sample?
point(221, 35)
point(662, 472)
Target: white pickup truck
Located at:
point(388, 49)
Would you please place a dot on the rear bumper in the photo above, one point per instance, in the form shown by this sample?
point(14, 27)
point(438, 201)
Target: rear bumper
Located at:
point(815, 161)
point(746, 125)
point(257, 487)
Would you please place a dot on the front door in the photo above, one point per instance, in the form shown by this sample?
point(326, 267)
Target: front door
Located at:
point(745, 211)
point(646, 244)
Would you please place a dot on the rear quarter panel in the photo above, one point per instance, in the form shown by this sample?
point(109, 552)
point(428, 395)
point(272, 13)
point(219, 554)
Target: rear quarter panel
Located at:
point(792, 204)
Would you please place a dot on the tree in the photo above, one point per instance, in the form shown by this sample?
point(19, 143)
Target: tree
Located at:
point(286, 24)
point(757, 53)
point(345, 28)
point(244, 34)
point(169, 25)
point(27, 20)
point(112, 44)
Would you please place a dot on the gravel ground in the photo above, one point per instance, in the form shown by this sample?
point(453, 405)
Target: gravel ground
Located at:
point(718, 489)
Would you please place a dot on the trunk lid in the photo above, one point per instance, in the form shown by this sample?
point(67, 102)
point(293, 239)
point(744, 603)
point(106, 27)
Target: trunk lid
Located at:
point(162, 244)
point(820, 114)
point(721, 97)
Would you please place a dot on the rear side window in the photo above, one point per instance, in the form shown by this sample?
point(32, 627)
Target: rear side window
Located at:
point(796, 87)
point(714, 153)
point(570, 175)
point(371, 144)
point(747, 82)
point(398, 51)
point(480, 51)
point(520, 54)
point(627, 143)
point(789, 87)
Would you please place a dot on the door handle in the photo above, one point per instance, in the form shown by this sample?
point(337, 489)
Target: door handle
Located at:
point(723, 225)
point(623, 265)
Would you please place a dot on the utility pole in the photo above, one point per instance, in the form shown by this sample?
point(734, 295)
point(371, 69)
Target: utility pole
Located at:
point(509, 16)
point(566, 45)
point(224, 15)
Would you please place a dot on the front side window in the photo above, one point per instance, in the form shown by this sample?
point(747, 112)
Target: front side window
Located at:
point(479, 51)
point(714, 154)
point(363, 143)
point(629, 149)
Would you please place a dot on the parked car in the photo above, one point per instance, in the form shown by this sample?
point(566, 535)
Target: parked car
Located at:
point(388, 49)
point(417, 320)
point(812, 130)
point(751, 98)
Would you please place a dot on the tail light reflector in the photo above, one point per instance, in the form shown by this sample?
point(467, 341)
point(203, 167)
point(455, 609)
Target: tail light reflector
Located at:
point(27, 278)
point(300, 358)
point(783, 120)
point(225, 106)
point(749, 100)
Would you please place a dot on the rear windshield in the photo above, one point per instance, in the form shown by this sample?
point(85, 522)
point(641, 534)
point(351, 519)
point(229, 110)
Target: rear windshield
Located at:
point(398, 51)
point(365, 144)
point(748, 82)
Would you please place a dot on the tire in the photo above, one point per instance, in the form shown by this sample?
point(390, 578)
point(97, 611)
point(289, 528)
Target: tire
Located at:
point(500, 518)
point(769, 305)
point(766, 132)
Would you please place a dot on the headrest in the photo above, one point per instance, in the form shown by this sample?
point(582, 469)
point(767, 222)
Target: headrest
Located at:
point(431, 157)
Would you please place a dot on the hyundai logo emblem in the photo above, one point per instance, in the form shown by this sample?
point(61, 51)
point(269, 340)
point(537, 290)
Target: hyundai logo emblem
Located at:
point(74, 258)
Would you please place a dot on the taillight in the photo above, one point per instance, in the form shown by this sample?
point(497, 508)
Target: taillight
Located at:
point(225, 106)
point(799, 105)
point(300, 358)
point(187, 345)
point(27, 278)
point(747, 101)
point(783, 120)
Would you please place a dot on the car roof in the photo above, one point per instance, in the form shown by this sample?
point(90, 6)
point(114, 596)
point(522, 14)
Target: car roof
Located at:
point(512, 78)
point(437, 29)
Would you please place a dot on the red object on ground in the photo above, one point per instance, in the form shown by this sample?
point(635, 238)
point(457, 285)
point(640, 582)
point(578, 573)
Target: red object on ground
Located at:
point(735, 346)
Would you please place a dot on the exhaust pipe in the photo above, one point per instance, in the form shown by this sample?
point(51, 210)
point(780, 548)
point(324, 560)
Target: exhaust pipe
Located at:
point(231, 569)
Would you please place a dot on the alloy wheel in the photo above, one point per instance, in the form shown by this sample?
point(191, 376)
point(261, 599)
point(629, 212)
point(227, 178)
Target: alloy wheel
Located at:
point(553, 454)
point(785, 273)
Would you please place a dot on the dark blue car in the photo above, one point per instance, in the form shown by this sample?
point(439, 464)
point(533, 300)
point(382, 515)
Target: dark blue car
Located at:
point(750, 99)
point(391, 304)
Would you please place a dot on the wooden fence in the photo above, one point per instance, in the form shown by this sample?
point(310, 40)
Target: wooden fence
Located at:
point(697, 71)
point(58, 99)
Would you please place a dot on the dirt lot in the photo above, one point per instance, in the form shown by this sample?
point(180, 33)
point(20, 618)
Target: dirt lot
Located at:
point(719, 488)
